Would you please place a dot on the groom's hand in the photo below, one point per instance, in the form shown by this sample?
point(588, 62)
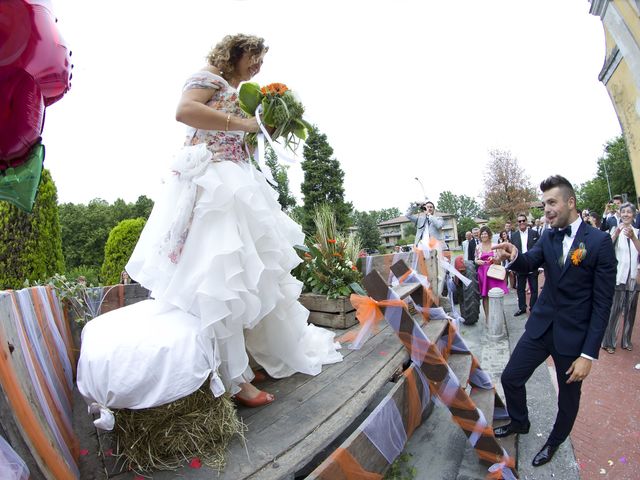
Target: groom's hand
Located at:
point(505, 251)
point(579, 369)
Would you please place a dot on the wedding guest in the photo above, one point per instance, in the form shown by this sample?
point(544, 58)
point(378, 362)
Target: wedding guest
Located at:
point(217, 244)
point(594, 219)
point(626, 244)
point(485, 257)
point(570, 317)
point(524, 240)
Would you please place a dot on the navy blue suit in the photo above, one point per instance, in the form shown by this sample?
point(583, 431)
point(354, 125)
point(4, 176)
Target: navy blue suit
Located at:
point(568, 319)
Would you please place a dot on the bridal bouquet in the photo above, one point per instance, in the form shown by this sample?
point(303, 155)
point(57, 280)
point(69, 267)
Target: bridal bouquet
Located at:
point(281, 110)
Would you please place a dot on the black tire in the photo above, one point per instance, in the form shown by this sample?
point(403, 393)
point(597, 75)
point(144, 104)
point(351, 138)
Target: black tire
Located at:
point(470, 296)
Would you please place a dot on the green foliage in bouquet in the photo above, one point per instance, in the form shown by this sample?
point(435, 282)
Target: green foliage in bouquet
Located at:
point(329, 266)
point(281, 110)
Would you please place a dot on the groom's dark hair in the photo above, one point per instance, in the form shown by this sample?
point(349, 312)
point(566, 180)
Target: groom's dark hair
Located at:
point(558, 181)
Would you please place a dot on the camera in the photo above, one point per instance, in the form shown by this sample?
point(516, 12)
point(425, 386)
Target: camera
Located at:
point(423, 207)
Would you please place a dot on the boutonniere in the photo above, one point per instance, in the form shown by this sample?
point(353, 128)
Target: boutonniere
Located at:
point(578, 254)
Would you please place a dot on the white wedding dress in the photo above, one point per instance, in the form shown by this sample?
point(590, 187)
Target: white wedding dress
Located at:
point(218, 247)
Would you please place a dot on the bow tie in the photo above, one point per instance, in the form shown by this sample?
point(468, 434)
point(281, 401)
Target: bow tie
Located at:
point(559, 233)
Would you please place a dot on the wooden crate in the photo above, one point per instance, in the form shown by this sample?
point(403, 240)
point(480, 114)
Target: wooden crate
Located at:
point(329, 312)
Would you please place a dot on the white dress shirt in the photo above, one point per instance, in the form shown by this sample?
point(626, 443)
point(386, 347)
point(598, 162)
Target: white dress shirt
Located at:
point(524, 237)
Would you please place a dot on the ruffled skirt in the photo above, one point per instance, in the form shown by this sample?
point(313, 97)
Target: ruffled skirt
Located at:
point(218, 246)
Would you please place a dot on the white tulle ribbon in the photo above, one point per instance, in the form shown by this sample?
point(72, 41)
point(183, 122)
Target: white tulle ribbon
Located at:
point(106, 420)
point(260, 154)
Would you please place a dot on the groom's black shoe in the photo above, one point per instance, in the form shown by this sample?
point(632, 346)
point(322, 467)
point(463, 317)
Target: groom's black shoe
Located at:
point(509, 429)
point(545, 455)
point(519, 312)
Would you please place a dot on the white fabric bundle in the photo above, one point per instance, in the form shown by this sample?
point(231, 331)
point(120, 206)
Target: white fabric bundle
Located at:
point(141, 356)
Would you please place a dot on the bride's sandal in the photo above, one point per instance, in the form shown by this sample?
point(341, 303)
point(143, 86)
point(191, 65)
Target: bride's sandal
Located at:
point(263, 398)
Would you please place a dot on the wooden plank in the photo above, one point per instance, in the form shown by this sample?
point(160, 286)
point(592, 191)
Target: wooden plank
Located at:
point(302, 452)
point(320, 303)
point(333, 320)
point(20, 396)
point(403, 290)
point(305, 386)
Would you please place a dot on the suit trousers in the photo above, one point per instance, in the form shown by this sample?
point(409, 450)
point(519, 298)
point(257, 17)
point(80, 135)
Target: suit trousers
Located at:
point(625, 303)
point(526, 357)
point(521, 285)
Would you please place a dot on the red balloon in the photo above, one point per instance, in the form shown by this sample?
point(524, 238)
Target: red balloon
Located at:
point(15, 30)
point(21, 115)
point(45, 56)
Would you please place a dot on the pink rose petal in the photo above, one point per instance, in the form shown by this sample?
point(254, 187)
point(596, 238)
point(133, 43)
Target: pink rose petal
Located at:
point(84, 452)
point(195, 463)
point(108, 453)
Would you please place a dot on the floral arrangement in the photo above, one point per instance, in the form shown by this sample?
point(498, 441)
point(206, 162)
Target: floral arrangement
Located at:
point(329, 266)
point(281, 110)
point(579, 254)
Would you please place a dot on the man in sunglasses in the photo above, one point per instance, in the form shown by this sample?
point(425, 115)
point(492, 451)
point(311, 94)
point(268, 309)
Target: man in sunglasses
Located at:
point(524, 239)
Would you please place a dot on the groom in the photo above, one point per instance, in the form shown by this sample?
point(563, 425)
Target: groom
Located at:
point(568, 320)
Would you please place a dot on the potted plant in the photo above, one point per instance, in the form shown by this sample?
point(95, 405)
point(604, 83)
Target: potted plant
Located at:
point(329, 273)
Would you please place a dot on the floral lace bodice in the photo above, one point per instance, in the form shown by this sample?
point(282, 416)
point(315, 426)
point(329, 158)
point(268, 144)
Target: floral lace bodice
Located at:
point(223, 145)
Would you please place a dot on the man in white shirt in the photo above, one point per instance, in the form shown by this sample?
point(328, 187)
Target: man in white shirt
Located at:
point(524, 239)
point(465, 245)
point(568, 321)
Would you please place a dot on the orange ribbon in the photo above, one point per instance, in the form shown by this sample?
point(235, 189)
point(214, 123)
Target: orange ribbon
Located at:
point(369, 313)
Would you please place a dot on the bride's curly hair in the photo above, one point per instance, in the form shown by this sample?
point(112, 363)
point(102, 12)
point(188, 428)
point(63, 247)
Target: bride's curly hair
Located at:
point(229, 50)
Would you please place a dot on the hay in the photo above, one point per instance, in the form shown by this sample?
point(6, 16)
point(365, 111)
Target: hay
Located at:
point(163, 438)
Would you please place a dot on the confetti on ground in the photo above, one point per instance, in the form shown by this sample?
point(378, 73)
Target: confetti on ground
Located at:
point(539, 434)
point(637, 367)
point(195, 463)
point(623, 459)
point(382, 352)
point(610, 462)
point(84, 452)
point(603, 471)
point(108, 453)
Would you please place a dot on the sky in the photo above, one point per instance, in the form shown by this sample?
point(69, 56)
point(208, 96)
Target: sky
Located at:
point(401, 88)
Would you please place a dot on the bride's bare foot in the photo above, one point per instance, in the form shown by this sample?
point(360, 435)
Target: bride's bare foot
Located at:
point(250, 396)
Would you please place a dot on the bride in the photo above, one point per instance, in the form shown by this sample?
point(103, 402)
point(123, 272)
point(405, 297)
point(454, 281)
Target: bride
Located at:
point(217, 245)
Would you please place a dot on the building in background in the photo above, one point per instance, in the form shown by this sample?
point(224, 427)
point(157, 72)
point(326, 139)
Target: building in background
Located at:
point(621, 71)
point(391, 231)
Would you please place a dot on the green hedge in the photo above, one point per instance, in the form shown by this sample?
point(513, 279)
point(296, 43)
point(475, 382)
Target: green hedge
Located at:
point(120, 244)
point(30, 243)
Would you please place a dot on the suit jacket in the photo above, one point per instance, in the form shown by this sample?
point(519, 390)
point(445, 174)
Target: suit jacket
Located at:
point(576, 299)
point(532, 238)
point(472, 250)
point(432, 223)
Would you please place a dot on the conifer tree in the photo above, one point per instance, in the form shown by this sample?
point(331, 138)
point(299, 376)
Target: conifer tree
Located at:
point(323, 182)
point(120, 244)
point(30, 243)
point(286, 200)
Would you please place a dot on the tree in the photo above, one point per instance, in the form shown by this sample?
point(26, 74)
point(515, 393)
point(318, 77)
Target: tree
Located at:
point(279, 172)
point(368, 230)
point(508, 190)
point(465, 224)
point(323, 181)
point(85, 228)
point(615, 166)
point(142, 208)
point(377, 215)
point(30, 243)
point(458, 205)
point(120, 244)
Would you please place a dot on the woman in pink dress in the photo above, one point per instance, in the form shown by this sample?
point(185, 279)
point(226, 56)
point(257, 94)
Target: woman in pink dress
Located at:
point(484, 259)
